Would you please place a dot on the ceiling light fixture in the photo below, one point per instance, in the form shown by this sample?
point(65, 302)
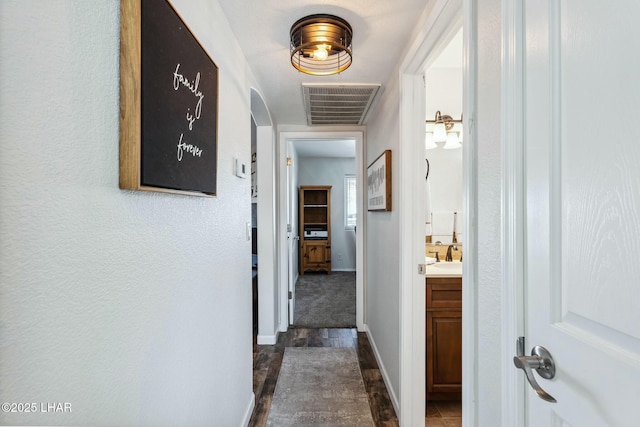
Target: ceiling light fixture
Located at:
point(442, 130)
point(321, 45)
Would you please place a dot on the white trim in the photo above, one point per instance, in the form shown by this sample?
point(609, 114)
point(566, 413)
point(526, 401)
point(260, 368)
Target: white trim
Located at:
point(259, 110)
point(284, 137)
point(383, 371)
point(513, 211)
point(344, 269)
point(267, 339)
point(470, 322)
point(267, 273)
point(412, 286)
point(361, 224)
point(249, 411)
point(266, 212)
point(282, 286)
point(346, 199)
point(442, 21)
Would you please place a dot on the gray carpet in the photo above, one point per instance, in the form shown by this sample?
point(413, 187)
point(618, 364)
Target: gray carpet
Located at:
point(320, 387)
point(326, 301)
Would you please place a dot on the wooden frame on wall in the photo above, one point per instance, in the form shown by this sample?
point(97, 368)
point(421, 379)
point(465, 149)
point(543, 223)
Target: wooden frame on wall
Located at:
point(379, 183)
point(168, 103)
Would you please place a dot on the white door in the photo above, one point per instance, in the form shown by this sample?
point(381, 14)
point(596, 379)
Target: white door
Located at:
point(582, 251)
point(292, 240)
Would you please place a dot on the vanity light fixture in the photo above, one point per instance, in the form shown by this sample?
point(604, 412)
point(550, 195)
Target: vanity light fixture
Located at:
point(442, 130)
point(429, 143)
point(321, 45)
point(452, 141)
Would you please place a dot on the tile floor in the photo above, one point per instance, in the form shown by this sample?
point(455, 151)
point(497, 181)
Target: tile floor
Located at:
point(445, 413)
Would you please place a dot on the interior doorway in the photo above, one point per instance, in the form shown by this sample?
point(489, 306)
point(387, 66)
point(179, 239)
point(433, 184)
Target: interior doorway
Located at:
point(288, 233)
point(323, 218)
point(443, 22)
point(444, 232)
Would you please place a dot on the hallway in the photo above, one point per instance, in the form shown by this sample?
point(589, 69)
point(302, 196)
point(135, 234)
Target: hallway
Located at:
point(268, 359)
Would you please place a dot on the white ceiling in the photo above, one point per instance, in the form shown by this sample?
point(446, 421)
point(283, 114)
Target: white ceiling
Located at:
point(381, 28)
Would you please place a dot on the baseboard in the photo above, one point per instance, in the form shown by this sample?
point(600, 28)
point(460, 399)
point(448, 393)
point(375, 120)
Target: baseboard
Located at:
point(267, 339)
point(249, 411)
point(284, 327)
point(383, 371)
point(351, 270)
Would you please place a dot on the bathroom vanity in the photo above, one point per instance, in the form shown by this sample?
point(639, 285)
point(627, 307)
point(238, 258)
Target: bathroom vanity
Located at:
point(444, 331)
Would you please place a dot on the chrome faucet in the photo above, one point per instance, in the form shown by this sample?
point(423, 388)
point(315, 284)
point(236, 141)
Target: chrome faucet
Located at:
point(449, 256)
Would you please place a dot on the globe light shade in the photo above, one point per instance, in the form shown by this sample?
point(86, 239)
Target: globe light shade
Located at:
point(439, 132)
point(452, 141)
point(429, 143)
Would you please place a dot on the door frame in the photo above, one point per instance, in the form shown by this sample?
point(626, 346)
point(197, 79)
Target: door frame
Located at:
point(513, 211)
point(284, 138)
point(266, 212)
point(292, 241)
point(444, 18)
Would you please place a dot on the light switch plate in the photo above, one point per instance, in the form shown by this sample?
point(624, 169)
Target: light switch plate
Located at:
point(241, 169)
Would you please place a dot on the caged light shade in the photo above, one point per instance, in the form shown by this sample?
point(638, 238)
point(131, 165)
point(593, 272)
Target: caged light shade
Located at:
point(321, 45)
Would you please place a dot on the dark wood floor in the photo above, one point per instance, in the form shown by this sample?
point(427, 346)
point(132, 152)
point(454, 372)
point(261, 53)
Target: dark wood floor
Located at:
point(267, 360)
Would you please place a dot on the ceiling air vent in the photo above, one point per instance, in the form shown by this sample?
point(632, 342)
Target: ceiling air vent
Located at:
point(338, 104)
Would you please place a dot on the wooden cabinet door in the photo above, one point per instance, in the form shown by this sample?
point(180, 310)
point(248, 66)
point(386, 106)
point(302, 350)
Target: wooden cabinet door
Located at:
point(316, 255)
point(444, 354)
point(315, 252)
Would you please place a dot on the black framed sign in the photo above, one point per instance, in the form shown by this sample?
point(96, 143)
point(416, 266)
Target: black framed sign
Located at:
point(169, 103)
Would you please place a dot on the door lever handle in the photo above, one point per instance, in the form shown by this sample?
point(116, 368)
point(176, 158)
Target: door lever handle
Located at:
point(543, 363)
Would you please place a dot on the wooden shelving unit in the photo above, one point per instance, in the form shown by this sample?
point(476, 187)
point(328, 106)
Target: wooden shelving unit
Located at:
point(315, 228)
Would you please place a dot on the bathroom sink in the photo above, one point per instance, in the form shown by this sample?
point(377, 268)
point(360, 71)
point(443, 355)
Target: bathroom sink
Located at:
point(444, 269)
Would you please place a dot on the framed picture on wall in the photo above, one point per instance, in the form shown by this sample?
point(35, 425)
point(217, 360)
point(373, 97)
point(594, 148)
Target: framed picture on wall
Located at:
point(168, 103)
point(379, 183)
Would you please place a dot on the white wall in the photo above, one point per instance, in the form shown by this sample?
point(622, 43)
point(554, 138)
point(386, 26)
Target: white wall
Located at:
point(331, 171)
point(134, 307)
point(382, 298)
point(444, 94)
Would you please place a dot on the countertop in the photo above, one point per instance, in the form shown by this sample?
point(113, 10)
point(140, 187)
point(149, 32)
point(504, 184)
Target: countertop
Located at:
point(444, 269)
